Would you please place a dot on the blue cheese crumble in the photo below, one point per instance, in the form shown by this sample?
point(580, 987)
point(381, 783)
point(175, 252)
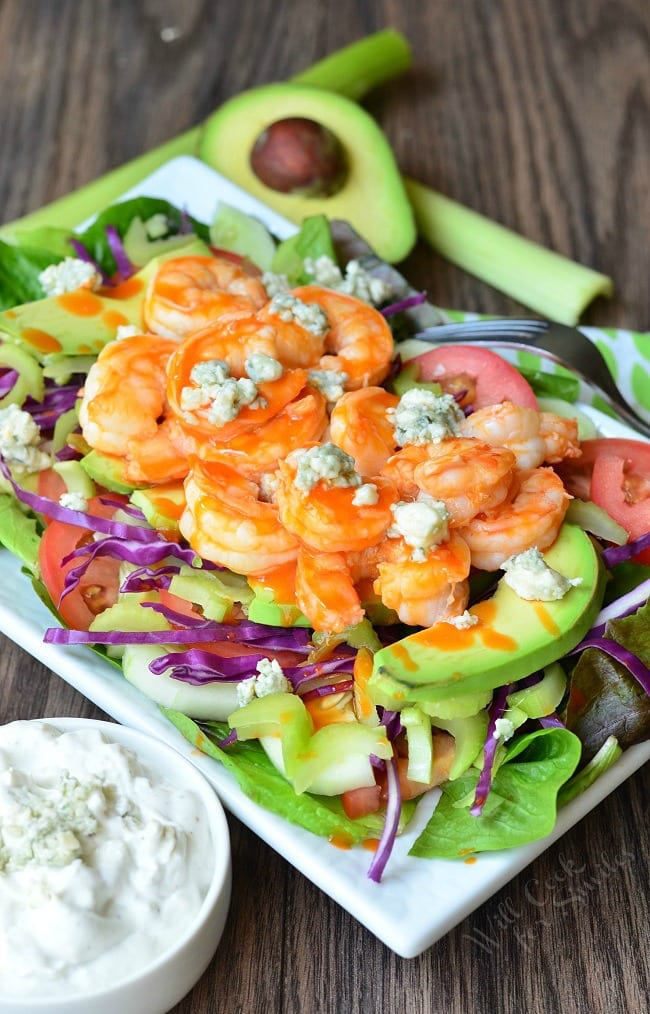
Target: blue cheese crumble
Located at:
point(311, 316)
point(261, 368)
point(270, 679)
point(423, 417)
point(127, 331)
point(329, 382)
point(223, 396)
point(422, 524)
point(462, 622)
point(366, 495)
point(356, 282)
point(326, 463)
point(531, 578)
point(19, 441)
point(274, 283)
point(504, 729)
point(74, 501)
point(69, 275)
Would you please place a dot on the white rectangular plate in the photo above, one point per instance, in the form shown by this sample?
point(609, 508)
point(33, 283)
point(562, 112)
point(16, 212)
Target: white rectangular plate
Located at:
point(418, 900)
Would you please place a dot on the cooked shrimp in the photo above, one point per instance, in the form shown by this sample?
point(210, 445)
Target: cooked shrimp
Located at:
point(298, 424)
point(122, 411)
point(295, 345)
point(468, 475)
point(420, 592)
point(560, 436)
point(359, 341)
point(325, 592)
point(361, 425)
point(327, 518)
point(188, 292)
point(511, 426)
point(221, 348)
point(227, 523)
point(530, 517)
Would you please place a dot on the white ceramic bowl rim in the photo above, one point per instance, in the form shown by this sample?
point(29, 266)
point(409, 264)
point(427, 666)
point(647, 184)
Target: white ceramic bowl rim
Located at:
point(220, 880)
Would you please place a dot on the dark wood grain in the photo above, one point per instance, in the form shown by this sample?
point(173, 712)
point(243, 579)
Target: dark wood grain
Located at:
point(535, 114)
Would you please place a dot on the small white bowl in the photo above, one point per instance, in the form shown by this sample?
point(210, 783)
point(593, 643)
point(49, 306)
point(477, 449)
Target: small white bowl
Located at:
point(164, 982)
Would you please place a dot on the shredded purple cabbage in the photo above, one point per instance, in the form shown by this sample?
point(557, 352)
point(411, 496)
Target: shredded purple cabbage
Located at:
point(551, 722)
point(391, 822)
point(228, 740)
point(632, 662)
point(618, 554)
point(7, 380)
point(257, 635)
point(391, 722)
point(61, 635)
point(146, 579)
point(123, 262)
point(330, 688)
point(141, 553)
point(403, 304)
point(117, 529)
point(84, 254)
point(127, 508)
point(198, 667)
point(484, 784)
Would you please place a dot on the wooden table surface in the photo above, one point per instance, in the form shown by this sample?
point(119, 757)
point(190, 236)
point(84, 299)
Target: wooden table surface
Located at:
point(535, 114)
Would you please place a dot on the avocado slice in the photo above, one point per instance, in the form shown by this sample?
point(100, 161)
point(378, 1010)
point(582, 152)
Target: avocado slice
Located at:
point(106, 471)
point(162, 505)
point(372, 196)
point(512, 639)
point(81, 323)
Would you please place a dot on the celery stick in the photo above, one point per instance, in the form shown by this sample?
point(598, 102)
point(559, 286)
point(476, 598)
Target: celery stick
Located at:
point(548, 283)
point(351, 71)
point(68, 211)
point(356, 69)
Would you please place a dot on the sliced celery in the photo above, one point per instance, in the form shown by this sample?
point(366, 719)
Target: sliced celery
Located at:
point(548, 283)
point(356, 69)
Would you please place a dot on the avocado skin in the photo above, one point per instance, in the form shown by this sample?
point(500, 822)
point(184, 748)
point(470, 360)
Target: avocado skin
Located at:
point(413, 670)
point(373, 198)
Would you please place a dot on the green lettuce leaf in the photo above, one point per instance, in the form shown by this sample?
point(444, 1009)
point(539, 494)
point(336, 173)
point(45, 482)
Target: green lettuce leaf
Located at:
point(258, 779)
point(20, 267)
point(121, 216)
point(552, 385)
point(18, 532)
point(605, 699)
point(314, 239)
point(520, 808)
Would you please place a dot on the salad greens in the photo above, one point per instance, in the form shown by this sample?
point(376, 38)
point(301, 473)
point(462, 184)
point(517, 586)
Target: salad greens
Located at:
point(524, 773)
point(520, 808)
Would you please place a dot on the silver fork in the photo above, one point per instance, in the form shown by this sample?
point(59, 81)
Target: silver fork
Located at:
point(563, 345)
point(558, 343)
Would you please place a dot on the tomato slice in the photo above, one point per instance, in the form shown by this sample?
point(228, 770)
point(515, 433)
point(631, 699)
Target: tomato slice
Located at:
point(361, 802)
point(496, 380)
point(98, 587)
point(51, 485)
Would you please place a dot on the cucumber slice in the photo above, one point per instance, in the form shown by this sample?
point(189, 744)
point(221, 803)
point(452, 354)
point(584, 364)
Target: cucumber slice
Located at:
point(241, 234)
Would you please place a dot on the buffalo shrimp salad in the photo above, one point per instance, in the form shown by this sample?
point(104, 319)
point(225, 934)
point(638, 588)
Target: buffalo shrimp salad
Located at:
point(349, 570)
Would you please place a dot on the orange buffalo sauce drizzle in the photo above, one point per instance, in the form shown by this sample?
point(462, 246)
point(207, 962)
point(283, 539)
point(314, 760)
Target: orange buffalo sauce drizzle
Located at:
point(282, 582)
point(113, 319)
point(341, 840)
point(81, 303)
point(545, 618)
point(126, 290)
point(447, 637)
point(41, 340)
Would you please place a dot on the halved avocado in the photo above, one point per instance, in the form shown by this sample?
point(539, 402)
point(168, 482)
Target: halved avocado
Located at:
point(372, 196)
point(513, 638)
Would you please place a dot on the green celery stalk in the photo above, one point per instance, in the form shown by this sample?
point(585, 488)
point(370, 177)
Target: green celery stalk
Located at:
point(356, 69)
point(351, 71)
point(547, 282)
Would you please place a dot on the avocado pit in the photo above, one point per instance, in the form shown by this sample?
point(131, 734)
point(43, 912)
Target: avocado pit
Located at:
point(299, 156)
